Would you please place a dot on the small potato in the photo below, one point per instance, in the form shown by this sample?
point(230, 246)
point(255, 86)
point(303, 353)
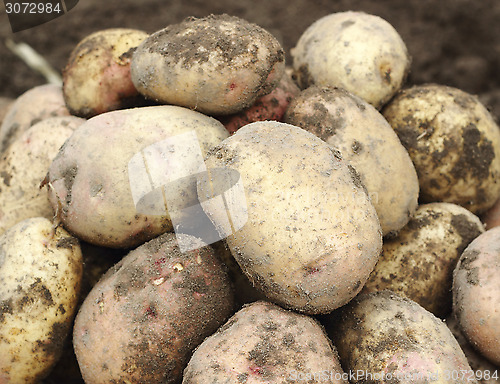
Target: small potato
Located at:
point(367, 141)
point(384, 338)
point(269, 107)
point(265, 343)
point(219, 64)
point(40, 277)
point(96, 78)
point(356, 51)
point(476, 294)
point(91, 181)
point(141, 321)
point(34, 105)
point(482, 369)
point(419, 262)
point(453, 142)
point(25, 164)
point(311, 236)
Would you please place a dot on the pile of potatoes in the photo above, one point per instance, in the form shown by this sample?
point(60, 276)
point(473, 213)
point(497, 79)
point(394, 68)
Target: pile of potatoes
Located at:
point(186, 208)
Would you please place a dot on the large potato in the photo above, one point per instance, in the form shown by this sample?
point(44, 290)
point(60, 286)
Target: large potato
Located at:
point(312, 236)
point(263, 343)
point(91, 182)
point(356, 51)
point(384, 338)
point(24, 165)
point(219, 64)
point(476, 294)
point(141, 321)
point(367, 141)
point(96, 78)
point(453, 142)
point(419, 262)
point(40, 276)
point(34, 105)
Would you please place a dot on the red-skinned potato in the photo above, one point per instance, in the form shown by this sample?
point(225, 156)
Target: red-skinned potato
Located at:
point(96, 78)
point(141, 321)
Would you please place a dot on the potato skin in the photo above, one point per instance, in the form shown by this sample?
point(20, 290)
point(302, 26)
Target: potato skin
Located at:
point(356, 51)
point(312, 236)
point(89, 185)
point(395, 339)
point(263, 342)
point(36, 104)
point(96, 78)
point(25, 164)
point(219, 64)
point(476, 294)
point(453, 142)
point(367, 141)
point(40, 277)
point(419, 262)
point(141, 321)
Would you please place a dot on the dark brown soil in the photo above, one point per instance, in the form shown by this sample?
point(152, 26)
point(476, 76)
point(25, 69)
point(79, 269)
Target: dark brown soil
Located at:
point(453, 42)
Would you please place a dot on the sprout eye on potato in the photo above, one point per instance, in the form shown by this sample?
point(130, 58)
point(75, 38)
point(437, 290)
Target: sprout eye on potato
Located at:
point(219, 64)
point(359, 52)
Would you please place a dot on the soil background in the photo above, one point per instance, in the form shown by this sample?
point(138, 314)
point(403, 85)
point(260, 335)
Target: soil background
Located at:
point(452, 42)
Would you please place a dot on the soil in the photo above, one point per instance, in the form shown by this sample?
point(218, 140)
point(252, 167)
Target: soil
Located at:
point(452, 42)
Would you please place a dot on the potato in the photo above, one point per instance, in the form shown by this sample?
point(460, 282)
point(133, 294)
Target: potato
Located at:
point(419, 262)
point(219, 64)
point(453, 142)
point(141, 321)
point(96, 78)
point(359, 52)
point(368, 142)
point(476, 294)
point(36, 104)
point(24, 165)
point(269, 107)
point(265, 343)
point(482, 369)
point(308, 236)
point(40, 276)
point(384, 338)
point(95, 190)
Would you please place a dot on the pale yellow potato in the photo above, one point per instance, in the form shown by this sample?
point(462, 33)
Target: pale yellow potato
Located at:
point(311, 235)
point(25, 164)
point(367, 141)
point(40, 276)
point(419, 262)
point(36, 104)
point(96, 78)
point(453, 142)
point(476, 294)
point(359, 52)
point(218, 64)
point(91, 184)
point(384, 338)
point(264, 343)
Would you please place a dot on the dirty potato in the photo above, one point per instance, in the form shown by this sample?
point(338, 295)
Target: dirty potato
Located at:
point(384, 338)
point(141, 321)
point(40, 276)
point(476, 294)
point(96, 78)
point(453, 142)
point(24, 165)
point(265, 343)
point(303, 228)
point(367, 141)
point(359, 52)
point(419, 262)
point(219, 64)
point(36, 104)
